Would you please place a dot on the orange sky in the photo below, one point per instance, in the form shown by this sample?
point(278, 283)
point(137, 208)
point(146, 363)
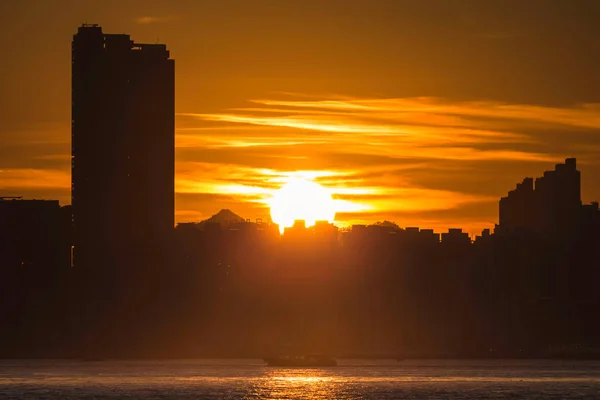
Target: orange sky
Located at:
point(423, 113)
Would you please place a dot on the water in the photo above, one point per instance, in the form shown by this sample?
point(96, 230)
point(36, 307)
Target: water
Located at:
point(250, 379)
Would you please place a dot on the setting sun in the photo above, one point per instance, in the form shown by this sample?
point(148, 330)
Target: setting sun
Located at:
point(301, 199)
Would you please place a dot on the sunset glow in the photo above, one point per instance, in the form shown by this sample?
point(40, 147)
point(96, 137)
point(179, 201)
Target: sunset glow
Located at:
point(317, 199)
point(301, 199)
point(417, 161)
point(424, 130)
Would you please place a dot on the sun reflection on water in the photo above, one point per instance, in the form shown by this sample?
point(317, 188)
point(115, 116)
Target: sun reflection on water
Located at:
point(303, 379)
point(218, 379)
point(296, 384)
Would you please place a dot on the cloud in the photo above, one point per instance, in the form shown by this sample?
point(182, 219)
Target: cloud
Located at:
point(145, 20)
point(17, 178)
point(40, 183)
point(418, 127)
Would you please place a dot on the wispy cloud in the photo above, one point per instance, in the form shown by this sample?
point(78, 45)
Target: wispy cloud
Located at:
point(40, 183)
point(19, 178)
point(144, 20)
point(423, 128)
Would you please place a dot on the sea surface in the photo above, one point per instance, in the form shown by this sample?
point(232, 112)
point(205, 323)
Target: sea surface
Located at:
point(251, 379)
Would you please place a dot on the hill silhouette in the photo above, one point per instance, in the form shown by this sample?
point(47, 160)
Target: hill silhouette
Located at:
point(224, 217)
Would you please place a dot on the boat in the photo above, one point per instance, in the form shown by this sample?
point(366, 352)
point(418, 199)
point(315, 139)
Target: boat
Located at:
point(311, 360)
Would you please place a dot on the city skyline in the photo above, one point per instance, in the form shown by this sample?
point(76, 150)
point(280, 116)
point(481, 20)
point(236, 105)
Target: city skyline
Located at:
point(300, 198)
point(400, 134)
point(527, 289)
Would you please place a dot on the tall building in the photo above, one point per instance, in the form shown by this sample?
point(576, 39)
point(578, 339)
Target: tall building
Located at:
point(517, 209)
point(558, 198)
point(553, 207)
point(123, 145)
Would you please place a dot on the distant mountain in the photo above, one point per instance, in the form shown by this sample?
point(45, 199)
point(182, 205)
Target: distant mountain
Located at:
point(223, 217)
point(386, 224)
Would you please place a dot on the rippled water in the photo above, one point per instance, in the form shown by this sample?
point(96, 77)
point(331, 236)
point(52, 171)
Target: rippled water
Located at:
point(250, 379)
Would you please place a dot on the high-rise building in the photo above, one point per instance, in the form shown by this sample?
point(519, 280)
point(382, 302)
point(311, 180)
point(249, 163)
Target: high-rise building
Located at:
point(553, 207)
point(517, 209)
point(558, 198)
point(123, 145)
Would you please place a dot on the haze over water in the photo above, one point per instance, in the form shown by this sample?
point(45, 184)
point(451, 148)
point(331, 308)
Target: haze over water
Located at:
point(250, 379)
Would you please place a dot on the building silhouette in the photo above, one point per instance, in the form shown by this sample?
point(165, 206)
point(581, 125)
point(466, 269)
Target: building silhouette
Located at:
point(517, 209)
point(527, 290)
point(33, 236)
point(34, 265)
point(559, 198)
point(237, 288)
point(123, 141)
point(551, 208)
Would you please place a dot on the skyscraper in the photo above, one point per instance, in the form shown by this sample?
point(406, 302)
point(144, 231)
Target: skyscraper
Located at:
point(518, 208)
point(123, 144)
point(559, 199)
point(552, 208)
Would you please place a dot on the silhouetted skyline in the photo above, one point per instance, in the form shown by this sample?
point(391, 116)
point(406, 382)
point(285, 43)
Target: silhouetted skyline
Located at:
point(112, 275)
point(235, 288)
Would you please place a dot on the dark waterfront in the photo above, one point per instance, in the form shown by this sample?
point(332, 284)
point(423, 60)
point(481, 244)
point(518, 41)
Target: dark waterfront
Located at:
point(250, 379)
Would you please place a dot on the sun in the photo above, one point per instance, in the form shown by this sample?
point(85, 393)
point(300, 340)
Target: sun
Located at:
point(301, 199)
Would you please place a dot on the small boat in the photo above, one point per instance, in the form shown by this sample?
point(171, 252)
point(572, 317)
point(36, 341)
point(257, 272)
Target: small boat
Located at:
point(301, 361)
